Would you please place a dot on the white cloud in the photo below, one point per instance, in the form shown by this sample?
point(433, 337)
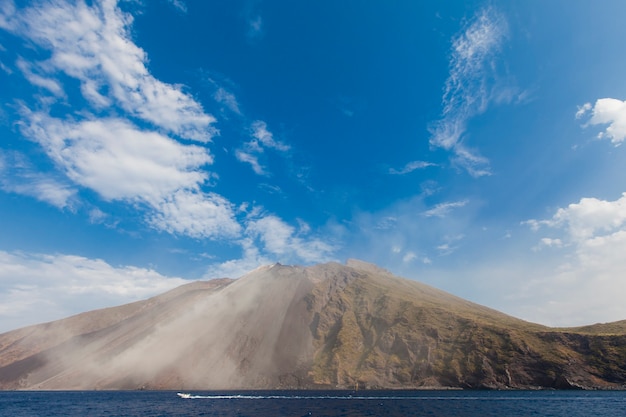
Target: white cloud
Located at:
point(443, 209)
point(18, 176)
point(472, 162)
point(470, 88)
point(582, 110)
point(253, 160)
point(587, 219)
point(546, 241)
point(44, 189)
point(265, 137)
point(269, 239)
point(262, 139)
point(197, 215)
point(179, 5)
point(117, 160)
point(49, 84)
point(255, 27)
point(386, 223)
point(228, 99)
point(7, 15)
point(234, 268)
point(450, 244)
point(95, 47)
point(280, 240)
point(588, 283)
point(607, 111)
point(97, 216)
point(38, 288)
point(145, 167)
point(410, 167)
point(409, 257)
point(120, 162)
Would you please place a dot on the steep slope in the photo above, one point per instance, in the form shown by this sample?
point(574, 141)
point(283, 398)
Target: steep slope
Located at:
point(325, 326)
point(382, 331)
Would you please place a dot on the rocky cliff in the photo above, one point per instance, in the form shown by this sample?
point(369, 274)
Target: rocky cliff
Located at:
point(325, 326)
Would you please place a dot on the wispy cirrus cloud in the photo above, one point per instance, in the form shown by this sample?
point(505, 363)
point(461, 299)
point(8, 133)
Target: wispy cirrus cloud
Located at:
point(471, 87)
point(179, 5)
point(443, 209)
point(450, 244)
point(261, 139)
point(607, 111)
point(35, 77)
point(228, 99)
point(25, 180)
point(255, 27)
point(410, 167)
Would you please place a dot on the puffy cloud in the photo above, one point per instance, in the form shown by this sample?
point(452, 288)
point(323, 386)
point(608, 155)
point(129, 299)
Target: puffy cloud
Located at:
point(471, 87)
point(116, 159)
point(409, 257)
point(587, 219)
point(95, 47)
point(590, 237)
point(235, 268)
point(269, 239)
point(279, 239)
point(607, 111)
point(43, 287)
point(120, 162)
point(198, 215)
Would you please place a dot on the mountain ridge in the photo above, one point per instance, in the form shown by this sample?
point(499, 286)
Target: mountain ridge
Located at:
point(322, 326)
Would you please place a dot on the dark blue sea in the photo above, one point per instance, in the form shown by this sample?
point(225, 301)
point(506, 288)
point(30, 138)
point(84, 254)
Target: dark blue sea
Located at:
point(315, 403)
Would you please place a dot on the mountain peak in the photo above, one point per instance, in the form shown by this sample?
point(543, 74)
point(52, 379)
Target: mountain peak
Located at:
point(366, 266)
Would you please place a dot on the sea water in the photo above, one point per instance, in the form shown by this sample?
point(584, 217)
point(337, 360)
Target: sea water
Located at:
point(315, 403)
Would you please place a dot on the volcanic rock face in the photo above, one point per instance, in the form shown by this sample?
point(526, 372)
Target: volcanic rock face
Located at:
point(326, 326)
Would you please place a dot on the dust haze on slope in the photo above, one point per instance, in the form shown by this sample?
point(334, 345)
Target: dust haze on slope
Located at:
point(245, 333)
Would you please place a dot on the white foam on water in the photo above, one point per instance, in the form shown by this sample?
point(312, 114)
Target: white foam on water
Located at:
point(379, 398)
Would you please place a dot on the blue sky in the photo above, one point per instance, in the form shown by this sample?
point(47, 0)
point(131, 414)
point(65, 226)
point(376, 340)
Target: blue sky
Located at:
point(474, 146)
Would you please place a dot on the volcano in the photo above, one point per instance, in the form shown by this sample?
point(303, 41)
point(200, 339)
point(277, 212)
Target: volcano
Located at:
point(328, 326)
